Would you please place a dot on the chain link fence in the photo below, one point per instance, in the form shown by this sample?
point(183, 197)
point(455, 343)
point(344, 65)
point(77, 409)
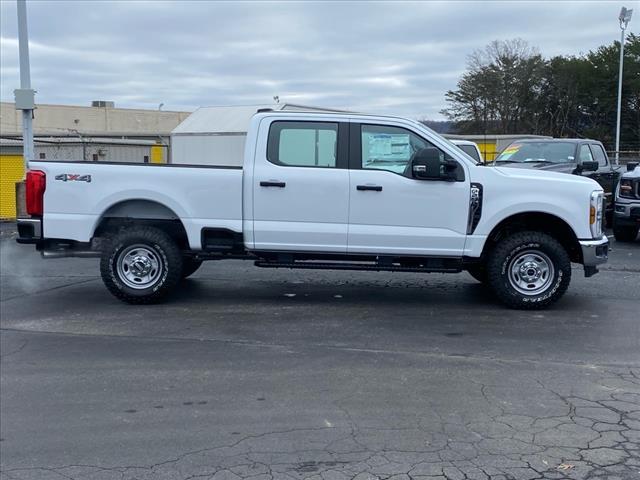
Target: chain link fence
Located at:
point(624, 156)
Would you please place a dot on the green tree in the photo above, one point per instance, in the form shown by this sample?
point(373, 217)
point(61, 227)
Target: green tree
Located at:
point(509, 88)
point(500, 90)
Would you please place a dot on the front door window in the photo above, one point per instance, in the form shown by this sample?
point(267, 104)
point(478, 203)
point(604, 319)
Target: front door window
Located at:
point(390, 148)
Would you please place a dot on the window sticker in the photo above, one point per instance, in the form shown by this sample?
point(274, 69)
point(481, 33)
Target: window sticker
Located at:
point(509, 151)
point(389, 147)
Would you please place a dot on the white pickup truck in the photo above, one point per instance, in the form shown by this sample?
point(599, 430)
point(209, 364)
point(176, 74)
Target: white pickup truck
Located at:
point(322, 191)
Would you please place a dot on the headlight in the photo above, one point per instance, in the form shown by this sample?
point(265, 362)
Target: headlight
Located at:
point(596, 212)
point(626, 188)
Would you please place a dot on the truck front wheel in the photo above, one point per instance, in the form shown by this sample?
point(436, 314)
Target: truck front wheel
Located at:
point(529, 270)
point(141, 265)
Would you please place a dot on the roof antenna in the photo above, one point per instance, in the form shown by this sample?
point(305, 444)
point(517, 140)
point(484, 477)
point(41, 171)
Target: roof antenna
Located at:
point(276, 98)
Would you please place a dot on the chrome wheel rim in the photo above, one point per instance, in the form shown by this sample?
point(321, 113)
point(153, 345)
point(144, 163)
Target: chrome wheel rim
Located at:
point(139, 266)
point(531, 272)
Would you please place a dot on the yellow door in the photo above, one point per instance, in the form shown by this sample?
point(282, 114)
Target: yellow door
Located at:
point(488, 150)
point(157, 154)
point(11, 171)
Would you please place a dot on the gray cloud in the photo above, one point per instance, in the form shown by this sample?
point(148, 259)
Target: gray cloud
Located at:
point(393, 57)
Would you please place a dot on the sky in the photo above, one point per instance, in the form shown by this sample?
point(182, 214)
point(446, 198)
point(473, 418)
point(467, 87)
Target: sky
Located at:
point(379, 57)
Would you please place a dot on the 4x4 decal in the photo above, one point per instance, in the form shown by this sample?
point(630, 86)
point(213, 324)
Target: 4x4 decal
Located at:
point(73, 177)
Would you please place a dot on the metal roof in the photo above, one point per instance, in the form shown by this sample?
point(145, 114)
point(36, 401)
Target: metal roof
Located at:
point(233, 119)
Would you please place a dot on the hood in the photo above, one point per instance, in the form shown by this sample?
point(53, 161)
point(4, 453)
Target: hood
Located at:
point(551, 167)
point(545, 174)
point(635, 173)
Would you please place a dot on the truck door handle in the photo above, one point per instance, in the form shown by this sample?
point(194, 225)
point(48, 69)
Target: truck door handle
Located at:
point(273, 184)
point(373, 188)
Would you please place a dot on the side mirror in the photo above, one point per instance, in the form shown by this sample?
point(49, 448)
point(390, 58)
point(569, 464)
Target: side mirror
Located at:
point(587, 167)
point(426, 165)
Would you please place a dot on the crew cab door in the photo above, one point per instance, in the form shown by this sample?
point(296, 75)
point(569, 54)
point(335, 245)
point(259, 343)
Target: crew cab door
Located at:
point(301, 187)
point(392, 212)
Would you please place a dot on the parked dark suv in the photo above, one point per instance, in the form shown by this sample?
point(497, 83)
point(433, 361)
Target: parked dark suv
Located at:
point(577, 156)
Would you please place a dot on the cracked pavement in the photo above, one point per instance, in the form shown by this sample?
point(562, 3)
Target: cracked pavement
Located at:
point(259, 374)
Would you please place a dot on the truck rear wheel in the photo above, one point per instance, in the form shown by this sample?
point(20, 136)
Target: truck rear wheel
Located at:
point(141, 265)
point(529, 270)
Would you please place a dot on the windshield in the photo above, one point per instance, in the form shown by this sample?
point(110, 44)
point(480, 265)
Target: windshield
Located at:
point(551, 152)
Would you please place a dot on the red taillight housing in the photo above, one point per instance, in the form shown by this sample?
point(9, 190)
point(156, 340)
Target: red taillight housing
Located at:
point(36, 184)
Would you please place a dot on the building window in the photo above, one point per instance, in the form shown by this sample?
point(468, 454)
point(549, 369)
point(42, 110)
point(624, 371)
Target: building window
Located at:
point(95, 157)
point(146, 159)
point(42, 155)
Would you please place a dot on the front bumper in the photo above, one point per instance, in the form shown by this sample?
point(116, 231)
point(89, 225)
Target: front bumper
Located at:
point(627, 214)
point(594, 253)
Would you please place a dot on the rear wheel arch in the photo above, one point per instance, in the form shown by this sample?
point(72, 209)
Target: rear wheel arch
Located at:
point(542, 222)
point(141, 212)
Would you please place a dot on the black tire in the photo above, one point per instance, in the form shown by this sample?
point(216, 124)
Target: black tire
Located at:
point(134, 251)
point(625, 233)
point(189, 266)
point(516, 266)
point(478, 271)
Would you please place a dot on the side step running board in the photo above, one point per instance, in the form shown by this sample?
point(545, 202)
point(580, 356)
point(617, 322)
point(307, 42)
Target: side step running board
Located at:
point(433, 267)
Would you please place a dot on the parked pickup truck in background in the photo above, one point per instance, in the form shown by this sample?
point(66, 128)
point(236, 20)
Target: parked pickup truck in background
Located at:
point(470, 148)
point(322, 191)
point(626, 220)
point(578, 156)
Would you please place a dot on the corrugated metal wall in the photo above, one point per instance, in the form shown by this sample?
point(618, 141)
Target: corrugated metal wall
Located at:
point(225, 150)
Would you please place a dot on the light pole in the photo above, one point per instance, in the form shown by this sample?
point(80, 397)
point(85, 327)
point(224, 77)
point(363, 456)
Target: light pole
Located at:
point(624, 17)
point(24, 96)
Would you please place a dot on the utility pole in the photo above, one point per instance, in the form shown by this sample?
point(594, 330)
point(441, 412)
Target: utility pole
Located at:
point(625, 18)
point(24, 96)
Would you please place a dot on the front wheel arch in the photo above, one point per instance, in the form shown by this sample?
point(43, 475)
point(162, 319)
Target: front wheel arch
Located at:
point(542, 222)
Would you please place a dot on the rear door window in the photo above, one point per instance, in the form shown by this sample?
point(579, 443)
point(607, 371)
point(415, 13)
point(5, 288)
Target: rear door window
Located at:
point(303, 144)
point(585, 154)
point(599, 155)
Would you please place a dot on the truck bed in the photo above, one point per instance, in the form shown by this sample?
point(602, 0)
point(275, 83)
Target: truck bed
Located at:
point(78, 194)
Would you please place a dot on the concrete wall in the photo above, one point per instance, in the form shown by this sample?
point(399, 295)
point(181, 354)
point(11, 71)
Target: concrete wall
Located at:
point(64, 119)
point(103, 153)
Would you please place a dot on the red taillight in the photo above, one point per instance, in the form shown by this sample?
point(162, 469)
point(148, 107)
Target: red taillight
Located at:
point(36, 184)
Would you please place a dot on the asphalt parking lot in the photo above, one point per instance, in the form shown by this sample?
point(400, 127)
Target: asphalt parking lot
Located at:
point(262, 374)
